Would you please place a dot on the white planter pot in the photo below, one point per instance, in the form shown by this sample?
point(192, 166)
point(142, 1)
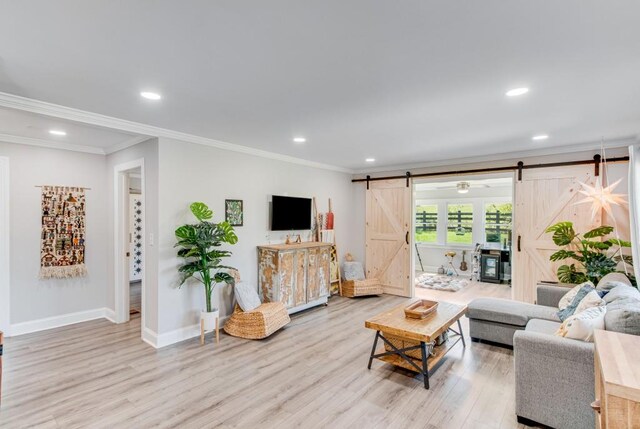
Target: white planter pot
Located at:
point(209, 319)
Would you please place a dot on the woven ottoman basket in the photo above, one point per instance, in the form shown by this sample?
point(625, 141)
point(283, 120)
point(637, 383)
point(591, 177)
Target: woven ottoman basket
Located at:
point(354, 288)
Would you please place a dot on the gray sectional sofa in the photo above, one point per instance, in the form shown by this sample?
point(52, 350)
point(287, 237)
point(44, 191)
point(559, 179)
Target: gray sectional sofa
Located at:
point(554, 375)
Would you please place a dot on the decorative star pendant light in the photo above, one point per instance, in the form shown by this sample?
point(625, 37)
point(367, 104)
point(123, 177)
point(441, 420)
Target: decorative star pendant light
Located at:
point(601, 197)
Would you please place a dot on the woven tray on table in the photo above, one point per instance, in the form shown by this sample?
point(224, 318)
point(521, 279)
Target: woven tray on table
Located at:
point(353, 288)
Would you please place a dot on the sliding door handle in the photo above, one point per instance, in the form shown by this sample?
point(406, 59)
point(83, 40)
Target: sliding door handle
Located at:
point(406, 237)
point(519, 248)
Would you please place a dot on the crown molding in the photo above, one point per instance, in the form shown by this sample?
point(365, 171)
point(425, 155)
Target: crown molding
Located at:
point(503, 156)
point(49, 109)
point(125, 144)
point(50, 144)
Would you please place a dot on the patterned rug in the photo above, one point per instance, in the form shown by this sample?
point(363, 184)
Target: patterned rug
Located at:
point(440, 282)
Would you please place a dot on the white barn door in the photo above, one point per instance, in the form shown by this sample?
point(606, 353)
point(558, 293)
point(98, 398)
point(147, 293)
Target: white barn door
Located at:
point(544, 197)
point(388, 235)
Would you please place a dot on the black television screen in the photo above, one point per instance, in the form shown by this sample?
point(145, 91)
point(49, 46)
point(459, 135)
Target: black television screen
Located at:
point(288, 213)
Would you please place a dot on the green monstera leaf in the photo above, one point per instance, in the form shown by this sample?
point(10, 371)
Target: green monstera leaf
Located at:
point(201, 211)
point(600, 231)
point(563, 233)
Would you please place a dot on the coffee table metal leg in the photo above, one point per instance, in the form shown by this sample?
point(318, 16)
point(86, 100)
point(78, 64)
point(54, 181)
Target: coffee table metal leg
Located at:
point(373, 349)
point(461, 334)
point(425, 366)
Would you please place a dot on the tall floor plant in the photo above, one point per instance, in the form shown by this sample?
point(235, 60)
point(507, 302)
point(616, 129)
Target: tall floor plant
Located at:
point(199, 245)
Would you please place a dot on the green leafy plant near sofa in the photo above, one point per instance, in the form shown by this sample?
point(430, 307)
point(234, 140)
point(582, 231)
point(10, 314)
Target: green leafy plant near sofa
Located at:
point(595, 254)
point(199, 245)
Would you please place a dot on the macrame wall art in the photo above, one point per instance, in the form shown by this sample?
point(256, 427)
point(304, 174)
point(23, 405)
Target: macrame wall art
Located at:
point(62, 240)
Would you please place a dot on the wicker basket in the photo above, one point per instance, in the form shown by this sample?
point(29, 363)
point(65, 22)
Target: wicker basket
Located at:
point(353, 288)
point(259, 323)
point(401, 343)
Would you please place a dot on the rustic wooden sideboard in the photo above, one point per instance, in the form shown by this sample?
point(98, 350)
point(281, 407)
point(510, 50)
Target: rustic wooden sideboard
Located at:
point(298, 275)
point(617, 373)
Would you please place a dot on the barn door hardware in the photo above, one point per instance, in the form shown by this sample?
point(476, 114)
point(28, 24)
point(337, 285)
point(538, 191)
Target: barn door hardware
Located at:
point(520, 167)
point(408, 177)
point(368, 179)
point(596, 160)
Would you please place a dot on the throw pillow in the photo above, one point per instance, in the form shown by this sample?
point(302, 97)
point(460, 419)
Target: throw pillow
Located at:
point(570, 309)
point(246, 296)
point(568, 297)
point(582, 325)
point(592, 299)
point(353, 271)
point(623, 310)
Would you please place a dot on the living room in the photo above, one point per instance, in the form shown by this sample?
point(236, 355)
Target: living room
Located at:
point(288, 179)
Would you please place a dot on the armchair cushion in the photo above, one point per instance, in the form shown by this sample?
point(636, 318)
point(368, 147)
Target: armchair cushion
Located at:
point(247, 296)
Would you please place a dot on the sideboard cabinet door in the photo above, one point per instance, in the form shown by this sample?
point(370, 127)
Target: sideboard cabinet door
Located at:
point(268, 277)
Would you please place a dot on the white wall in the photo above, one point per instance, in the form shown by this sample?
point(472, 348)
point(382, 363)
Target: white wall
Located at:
point(33, 299)
point(190, 172)
point(149, 152)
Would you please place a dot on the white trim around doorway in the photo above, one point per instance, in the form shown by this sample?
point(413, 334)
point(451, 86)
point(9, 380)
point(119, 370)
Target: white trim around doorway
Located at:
point(121, 242)
point(5, 278)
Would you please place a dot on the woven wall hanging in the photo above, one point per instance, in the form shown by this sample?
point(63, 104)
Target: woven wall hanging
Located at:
point(63, 232)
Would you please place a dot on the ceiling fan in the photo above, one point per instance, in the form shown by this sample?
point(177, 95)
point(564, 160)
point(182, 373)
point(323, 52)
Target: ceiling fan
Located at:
point(462, 187)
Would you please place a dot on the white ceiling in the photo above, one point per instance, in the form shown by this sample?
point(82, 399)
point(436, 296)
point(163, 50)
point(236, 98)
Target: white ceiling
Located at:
point(24, 127)
point(403, 82)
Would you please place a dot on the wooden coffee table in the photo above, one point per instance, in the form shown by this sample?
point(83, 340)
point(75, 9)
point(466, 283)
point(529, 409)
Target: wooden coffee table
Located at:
point(403, 337)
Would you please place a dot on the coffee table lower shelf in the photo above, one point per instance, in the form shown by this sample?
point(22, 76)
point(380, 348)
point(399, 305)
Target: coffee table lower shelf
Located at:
point(424, 366)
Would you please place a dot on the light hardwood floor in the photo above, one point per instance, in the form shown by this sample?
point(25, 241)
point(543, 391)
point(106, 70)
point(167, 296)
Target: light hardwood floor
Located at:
point(311, 374)
point(471, 291)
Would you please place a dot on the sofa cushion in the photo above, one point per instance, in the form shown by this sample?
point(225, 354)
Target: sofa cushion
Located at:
point(509, 312)
point(623, 310)
point(612, 280)
point(542, 326)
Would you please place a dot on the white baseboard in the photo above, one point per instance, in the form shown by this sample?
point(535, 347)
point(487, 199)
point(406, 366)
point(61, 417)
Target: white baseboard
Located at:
point(110, 315)
point(57, 321)
point(177, 335)
point(148, 336)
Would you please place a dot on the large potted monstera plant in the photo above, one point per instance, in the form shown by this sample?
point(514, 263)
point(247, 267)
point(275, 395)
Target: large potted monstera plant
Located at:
point(199, 245)
point(594, 252)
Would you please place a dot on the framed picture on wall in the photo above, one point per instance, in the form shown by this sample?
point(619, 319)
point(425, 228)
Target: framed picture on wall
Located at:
point(233, 212)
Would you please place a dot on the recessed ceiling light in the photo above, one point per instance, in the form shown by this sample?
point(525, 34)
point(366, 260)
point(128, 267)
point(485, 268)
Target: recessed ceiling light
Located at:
point(150, 95)
point(540, 137)
point(370, 160)
point(517, 91)
point(58, 132)
point(299, 139)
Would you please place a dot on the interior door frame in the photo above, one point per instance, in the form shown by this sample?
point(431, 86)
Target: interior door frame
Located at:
point(121, 241)
point(5, 260)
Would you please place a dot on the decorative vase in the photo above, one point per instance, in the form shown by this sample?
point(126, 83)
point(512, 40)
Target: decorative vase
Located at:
point(209, 318)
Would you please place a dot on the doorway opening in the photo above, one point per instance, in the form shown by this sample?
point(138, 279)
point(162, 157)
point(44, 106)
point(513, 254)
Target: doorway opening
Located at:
point(463, 237)
point(136, 248)
point(129, 241)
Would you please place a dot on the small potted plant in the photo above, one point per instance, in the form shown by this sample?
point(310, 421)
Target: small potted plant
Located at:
point(199, 246)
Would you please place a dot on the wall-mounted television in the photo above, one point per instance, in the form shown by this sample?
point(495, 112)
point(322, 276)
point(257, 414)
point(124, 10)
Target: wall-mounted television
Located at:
point(290, 213)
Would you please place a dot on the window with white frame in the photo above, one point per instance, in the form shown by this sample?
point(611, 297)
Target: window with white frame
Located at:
point(498, 217)
point(427, 223)
point(460, 223)
point(463, 222)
